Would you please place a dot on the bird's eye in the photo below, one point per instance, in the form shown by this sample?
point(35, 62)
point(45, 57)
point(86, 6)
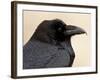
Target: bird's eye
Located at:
point(59, 29)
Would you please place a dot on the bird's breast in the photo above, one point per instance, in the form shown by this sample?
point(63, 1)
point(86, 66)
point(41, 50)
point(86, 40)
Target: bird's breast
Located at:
point(42, 55)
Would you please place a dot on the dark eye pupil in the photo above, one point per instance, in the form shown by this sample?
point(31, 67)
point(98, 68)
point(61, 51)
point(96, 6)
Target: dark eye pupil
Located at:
point(59, 29)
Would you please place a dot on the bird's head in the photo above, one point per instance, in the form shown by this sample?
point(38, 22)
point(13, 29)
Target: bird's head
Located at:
point(60, 31)
point(56, 30)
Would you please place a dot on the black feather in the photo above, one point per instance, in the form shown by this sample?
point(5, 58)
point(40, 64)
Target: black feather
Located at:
point(50, 45)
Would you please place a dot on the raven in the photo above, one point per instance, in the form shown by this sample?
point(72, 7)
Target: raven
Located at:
point(50, 45)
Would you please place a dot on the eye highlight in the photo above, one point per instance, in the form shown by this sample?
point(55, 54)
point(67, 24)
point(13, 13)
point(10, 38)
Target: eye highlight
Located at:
point(59, 29)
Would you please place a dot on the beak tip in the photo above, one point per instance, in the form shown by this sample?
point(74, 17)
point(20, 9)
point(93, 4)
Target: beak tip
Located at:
point(82, 31)
point(85, 33)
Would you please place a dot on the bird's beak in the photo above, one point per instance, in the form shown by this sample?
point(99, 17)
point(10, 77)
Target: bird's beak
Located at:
point(73, 30)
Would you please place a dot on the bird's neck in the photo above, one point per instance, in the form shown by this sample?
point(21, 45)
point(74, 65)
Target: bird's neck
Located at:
point(69, 45)
point(68, 41)
point(70, 50)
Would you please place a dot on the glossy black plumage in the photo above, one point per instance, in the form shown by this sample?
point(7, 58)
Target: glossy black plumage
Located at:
point(50, 45)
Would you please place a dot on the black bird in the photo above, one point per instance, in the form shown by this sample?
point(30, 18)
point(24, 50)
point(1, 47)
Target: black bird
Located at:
point(50, 45)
